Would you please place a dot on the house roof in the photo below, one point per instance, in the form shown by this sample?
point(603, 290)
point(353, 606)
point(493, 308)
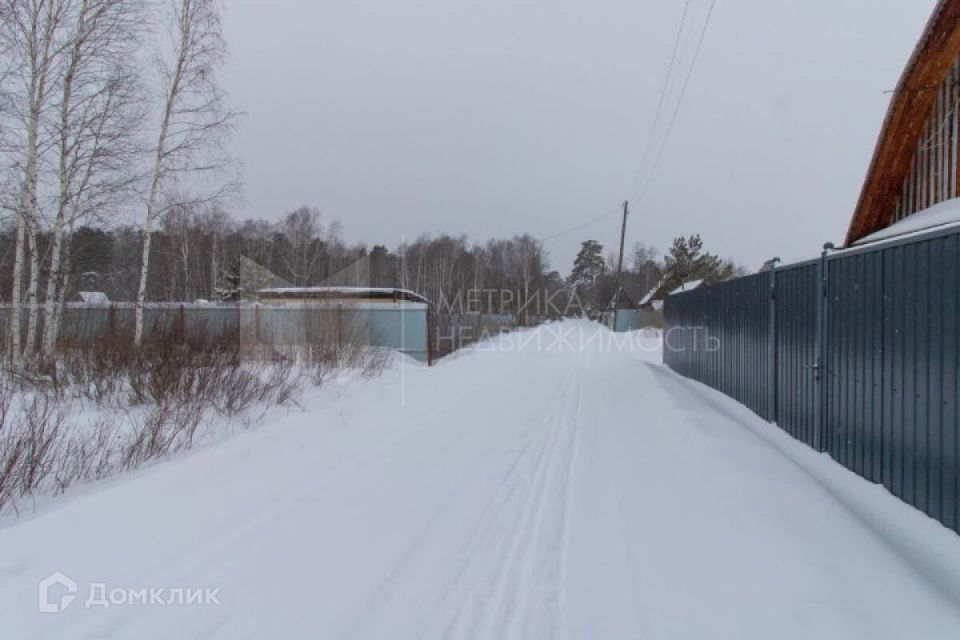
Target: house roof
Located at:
point(341, 293)
point(912, 100)
point(93, 297)
point(657, 294)
point(647, 299)
point(686, 286)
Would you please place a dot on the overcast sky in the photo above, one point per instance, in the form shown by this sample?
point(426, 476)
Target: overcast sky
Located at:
point(498, 117)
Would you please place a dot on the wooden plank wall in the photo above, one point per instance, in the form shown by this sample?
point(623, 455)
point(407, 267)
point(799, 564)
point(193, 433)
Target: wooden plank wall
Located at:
point(933, 176)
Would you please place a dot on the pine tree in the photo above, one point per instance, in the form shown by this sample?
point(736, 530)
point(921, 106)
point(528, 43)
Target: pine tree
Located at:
point(687, 260)
point(588, 267)
point(230, 288)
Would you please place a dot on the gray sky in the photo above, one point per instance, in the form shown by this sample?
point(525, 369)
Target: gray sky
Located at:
point(498, 117)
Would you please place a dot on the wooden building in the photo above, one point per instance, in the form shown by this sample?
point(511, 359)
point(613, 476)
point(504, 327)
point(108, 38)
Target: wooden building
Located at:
point(916, 163)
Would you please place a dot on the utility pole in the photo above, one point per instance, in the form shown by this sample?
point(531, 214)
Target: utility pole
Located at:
point(623, 233)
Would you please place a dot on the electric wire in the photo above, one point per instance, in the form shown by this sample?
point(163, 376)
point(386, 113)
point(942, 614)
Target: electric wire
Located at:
point(582, 225)
point(643, 181)
point(676, 110)
point(661, 101)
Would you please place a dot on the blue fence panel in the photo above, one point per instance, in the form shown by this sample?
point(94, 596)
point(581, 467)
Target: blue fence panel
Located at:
point(721, 335)
point(860, 359)
point(796, 355)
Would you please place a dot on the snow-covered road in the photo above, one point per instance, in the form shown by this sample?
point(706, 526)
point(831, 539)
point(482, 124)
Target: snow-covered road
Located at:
point(551, 489)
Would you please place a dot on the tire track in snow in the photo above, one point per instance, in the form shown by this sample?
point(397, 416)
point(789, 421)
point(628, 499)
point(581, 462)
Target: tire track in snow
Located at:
point(508, 492)
point(537, 590)
point(503, 493)
point(564, 569)
point(518, 594)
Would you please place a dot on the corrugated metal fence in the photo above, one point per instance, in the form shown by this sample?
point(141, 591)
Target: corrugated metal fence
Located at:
point(400, 326)
point(854, 354)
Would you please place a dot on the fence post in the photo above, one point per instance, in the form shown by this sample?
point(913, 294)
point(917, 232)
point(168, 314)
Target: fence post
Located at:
point(112, 320)
point(773, 344)
point(339, 325)
point(182, 323)
point(256, 323)
point(429, 337)
point(819, 367)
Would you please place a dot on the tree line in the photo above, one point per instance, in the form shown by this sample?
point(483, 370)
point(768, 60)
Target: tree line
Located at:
point(200, 252)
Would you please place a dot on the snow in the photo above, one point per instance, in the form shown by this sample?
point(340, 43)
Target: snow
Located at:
point(94, 297)
point(686, 286)
point(556, 482)
point(939, 215)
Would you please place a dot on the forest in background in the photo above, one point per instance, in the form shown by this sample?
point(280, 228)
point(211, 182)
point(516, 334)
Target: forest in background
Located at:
point(202, 253)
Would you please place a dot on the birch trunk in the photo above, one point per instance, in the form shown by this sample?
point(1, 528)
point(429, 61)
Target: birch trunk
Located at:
point(61, 304)
point(33, 309)
point(25, 233)
point(145, 257)
point(50, 317)
point(15, 312)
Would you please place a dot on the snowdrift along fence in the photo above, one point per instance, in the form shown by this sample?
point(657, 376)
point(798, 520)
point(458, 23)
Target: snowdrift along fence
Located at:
point(855, 354)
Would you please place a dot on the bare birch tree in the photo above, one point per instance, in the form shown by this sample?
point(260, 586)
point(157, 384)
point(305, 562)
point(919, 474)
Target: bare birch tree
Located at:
point(98, 119)
point(194, 120)
point(32, 32)
point(7, 65)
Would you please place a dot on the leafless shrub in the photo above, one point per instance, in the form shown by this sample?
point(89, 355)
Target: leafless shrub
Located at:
point(342, 341)
point(157, 396)
point(30, 439)
point(165, 429)
point(97, 370)
point(87, 456)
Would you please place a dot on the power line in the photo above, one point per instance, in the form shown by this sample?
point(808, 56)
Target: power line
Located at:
point(676, 110)
point(662, 99)
point(582, 225)
point(657, 119)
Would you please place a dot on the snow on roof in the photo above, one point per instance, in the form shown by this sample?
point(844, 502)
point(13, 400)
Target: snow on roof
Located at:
point(686, 286)
point(342, 292)
point(94, 297)
point(939, 215)
point(649, 297)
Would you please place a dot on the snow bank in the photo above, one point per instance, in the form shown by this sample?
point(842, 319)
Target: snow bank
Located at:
point(929, 547)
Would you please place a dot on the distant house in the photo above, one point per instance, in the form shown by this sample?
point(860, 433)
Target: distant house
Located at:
point(340, 295)
point(93, 297)
point(624, 315)
point(646, 302)
point(655, 297)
